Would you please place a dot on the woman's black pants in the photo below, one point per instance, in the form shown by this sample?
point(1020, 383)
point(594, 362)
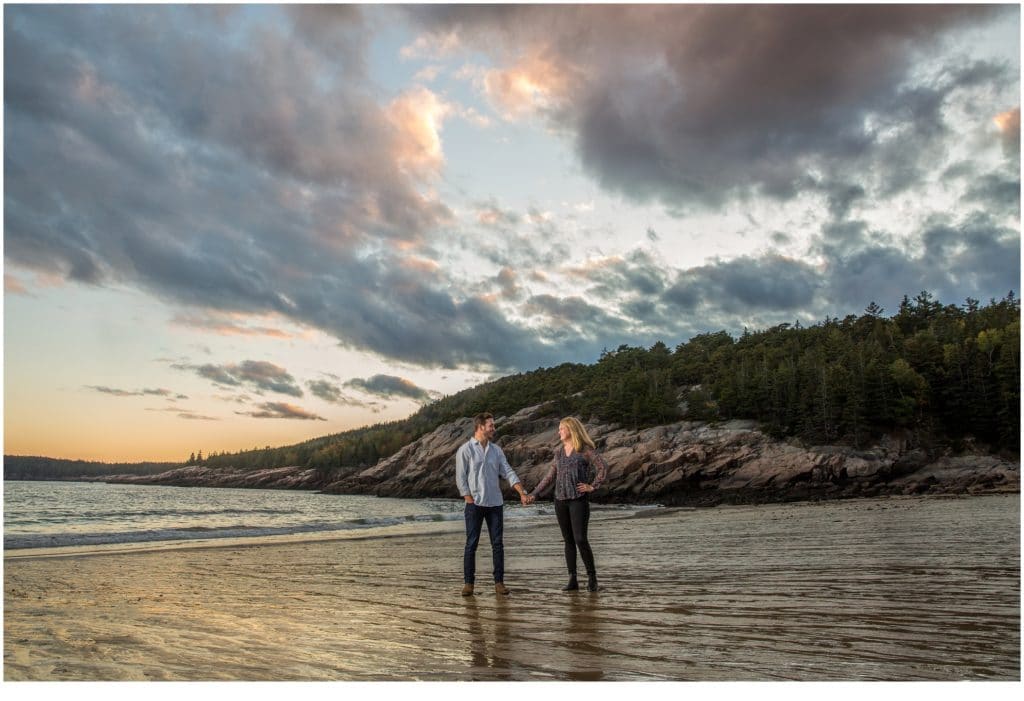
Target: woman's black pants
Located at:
point(573, 516)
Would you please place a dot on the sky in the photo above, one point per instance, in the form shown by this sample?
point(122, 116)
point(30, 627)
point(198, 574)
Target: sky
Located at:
point(229, 227)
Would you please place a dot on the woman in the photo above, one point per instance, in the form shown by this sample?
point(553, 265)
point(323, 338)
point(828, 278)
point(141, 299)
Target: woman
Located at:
point(570, 470)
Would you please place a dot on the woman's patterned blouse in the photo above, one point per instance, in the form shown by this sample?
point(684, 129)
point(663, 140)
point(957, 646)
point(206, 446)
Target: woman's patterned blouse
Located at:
point(569, 470)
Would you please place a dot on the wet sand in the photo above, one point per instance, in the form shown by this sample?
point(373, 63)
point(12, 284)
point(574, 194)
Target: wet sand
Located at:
point(888, 589)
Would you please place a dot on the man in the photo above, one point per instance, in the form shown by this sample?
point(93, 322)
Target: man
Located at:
point(478, 465)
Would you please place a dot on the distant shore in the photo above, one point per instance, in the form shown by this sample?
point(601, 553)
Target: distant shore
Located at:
point(909, 588)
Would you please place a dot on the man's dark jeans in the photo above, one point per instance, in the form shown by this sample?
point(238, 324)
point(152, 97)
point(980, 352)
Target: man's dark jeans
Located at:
point(475, 517)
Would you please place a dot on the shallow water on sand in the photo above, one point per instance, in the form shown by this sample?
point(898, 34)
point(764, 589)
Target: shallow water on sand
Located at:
point(892, 589)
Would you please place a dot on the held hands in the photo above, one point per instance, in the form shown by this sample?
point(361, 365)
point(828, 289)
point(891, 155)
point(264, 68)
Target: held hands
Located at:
point(584, 488)
point(526, 499)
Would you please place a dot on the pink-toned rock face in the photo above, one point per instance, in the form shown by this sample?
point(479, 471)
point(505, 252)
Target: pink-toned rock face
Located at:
point(681, 463)
point(685, 462)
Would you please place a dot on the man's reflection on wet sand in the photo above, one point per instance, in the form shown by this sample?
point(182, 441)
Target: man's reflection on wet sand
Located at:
point(488, 638)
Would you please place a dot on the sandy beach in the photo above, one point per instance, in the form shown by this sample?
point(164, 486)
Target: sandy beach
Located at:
point(887, 589)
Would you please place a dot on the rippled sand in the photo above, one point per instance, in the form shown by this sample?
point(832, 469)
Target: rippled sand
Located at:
point(894, 589)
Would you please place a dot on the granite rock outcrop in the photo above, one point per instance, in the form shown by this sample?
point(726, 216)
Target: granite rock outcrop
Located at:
point(691, 463)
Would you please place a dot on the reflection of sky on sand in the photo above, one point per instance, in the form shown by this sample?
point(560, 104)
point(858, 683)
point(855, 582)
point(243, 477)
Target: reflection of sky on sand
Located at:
point(885, 589)
point(489, 639)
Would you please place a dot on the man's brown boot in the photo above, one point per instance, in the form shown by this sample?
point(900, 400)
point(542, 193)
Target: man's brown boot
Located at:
point(500, 588)
point(467, 590)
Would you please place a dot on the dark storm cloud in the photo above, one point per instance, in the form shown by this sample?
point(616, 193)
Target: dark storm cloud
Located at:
point(403, 314)
point(339, 31)
point(841, 197)
point(281, 410)
point(976, 257)
point(390, 387)
point(838, 238)
point(997, 192)
point(698, 103)
point(260, 374)
point(770, 283)
point(141, 148)
point(259, 173)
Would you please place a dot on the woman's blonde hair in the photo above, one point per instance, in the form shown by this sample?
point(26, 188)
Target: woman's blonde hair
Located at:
point(577, 433)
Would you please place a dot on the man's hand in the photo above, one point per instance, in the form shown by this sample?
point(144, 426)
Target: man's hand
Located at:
point(526, 499)
point(583, 487)
point(468, 498)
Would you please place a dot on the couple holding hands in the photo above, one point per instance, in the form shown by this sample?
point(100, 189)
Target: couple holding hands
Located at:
point(478, 466)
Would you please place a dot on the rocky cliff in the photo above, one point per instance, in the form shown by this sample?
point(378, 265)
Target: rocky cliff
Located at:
point(691, 463)
point(201, 476)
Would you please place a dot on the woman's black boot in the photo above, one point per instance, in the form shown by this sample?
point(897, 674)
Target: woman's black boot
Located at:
point(592, 581)
point(573, 585)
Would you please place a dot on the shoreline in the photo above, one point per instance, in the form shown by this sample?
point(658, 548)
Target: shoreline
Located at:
point(882, 589)
point(411, 530)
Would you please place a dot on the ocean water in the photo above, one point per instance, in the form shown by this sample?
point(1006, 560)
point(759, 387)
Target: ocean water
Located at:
point(67, 514)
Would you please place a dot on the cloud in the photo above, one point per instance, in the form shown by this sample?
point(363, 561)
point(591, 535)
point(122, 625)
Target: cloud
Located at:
point(575, 319)
point(281, 410)
point(339, 32)
point(997, 193)
point(260, 184)
point(773, 282)
point(259, 374)
point(189, 415)
point(842, 196)
point(1008, 124)
point(14, 286)
point(263, 110)
point(491, 215)
point(330, 392)
point(953, 261)
point(134, 393)
point(226, 325)
point(508, 281)
point(637, 272)
point(326, 391)
point(266, 177)
point(390, 387)
point(534, 84)
point(417, 115)
point(699, 104)
point(196, 417)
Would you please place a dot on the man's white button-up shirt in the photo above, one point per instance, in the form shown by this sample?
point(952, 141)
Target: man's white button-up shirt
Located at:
point(477, 470)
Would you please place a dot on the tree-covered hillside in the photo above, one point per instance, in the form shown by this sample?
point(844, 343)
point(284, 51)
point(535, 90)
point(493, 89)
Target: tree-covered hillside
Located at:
point(945, 374)
point(33, 467)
